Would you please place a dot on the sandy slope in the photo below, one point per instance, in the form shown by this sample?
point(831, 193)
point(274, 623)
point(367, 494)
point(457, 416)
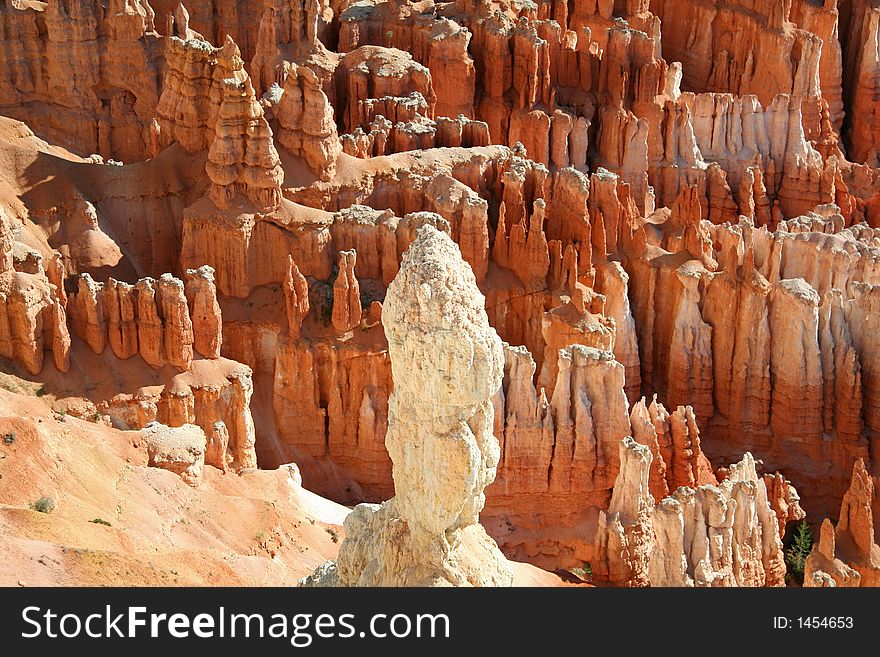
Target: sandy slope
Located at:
point(254, 529)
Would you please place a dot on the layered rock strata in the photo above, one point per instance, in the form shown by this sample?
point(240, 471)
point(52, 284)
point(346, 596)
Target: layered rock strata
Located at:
point(724, 535)
point(847, 554)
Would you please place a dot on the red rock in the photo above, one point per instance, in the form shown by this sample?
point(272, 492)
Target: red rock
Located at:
point(296, 293)
point(848, 553)
point(710, 251)
point(346, 294)
point(242, 158)
point(306, 124)
point(207, 321)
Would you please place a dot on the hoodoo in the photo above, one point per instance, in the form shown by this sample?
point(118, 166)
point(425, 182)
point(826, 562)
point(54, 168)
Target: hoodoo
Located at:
point(446, 363)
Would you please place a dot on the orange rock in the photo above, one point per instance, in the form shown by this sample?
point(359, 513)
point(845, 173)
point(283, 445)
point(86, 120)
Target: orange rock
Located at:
point(674, 441)
point(119, 309)
point(178, 333)
point(789, 57)
point(848, 553)
point(784, 500)
point(242, 158)
point(207, 321)
point(217, 449)
point(189, 107)
point(719, 256)
point(375, 72)
point(318, 390)
point(6, 247)
point(112, 47)
point(87, 314)
point(151, 339)
point(31, 320)
point(861, 66)
point(296, 294)
point(346, 294)
point(724, 535)
point(306, 124)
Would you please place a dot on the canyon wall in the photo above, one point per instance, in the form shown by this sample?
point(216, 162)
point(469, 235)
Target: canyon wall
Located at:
point(669, 209)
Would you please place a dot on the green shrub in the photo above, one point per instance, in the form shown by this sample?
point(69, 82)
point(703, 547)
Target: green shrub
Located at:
point(798, 545)
point(585, 573)
point(101, 521)
point(43, 505)
point(334, 535)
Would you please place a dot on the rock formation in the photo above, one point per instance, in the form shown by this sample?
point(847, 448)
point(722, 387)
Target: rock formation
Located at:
point(180, 450)
point(296, 294)
point(217, 447)
point(725, 535)
point(32, 312)
point(162, 320)
point(84, 74)
point(306, 124)
point(207, 321)
point(189, 107)
point(346, 294)
point(242, 158)
point(848, 554)
point(670, 208)
point(447, 362)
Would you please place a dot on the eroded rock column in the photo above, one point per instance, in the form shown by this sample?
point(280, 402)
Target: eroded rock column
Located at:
point(447, 362)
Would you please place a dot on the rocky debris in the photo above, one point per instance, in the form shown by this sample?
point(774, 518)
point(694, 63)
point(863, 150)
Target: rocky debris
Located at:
point(447, 363)
point(180, 450)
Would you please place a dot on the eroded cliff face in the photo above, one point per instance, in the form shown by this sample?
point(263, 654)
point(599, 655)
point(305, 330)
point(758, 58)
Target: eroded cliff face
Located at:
point(848, 554)
point(713, 535)
point(669, 209)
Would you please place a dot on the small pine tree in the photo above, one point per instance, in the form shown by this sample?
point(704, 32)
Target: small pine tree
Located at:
point(799, 547)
